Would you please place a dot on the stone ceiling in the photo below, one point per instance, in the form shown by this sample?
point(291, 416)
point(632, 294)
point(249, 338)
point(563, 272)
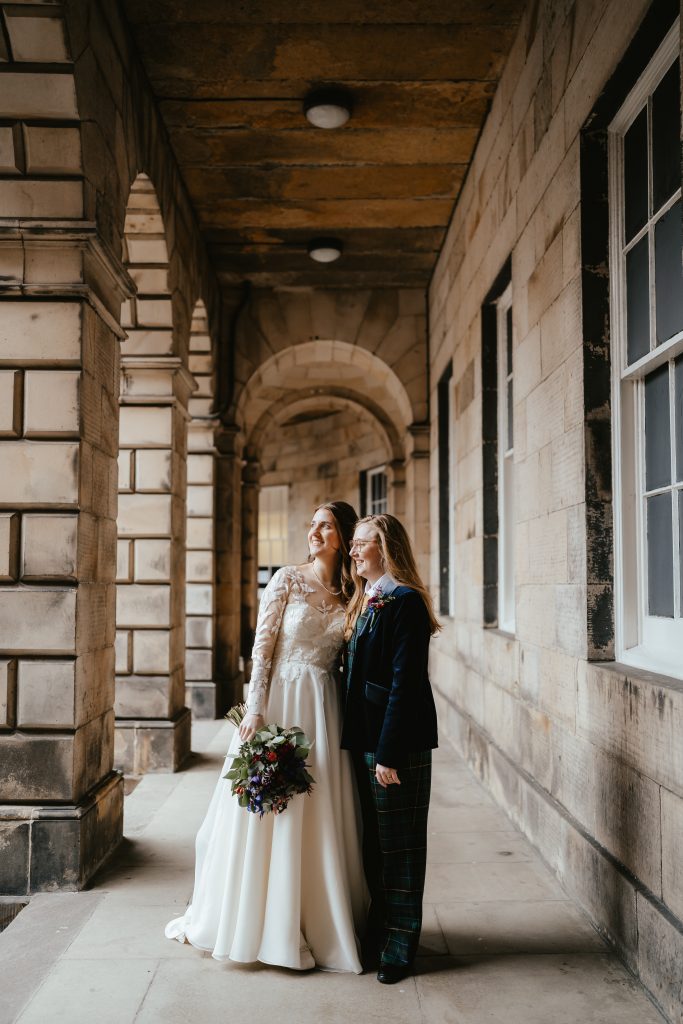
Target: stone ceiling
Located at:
point(230, 77)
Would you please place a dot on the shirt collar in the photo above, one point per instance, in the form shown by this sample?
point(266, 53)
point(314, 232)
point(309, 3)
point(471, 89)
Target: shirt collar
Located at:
point(379, 586)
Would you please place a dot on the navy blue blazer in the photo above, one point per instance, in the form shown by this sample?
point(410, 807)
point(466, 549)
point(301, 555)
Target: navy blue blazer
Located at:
point(389, 708)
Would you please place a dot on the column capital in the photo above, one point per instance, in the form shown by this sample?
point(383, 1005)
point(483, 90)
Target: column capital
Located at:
point(161, 380)
point(65, 259)
point(229, 440)
point(251, 473)
point(418, 441)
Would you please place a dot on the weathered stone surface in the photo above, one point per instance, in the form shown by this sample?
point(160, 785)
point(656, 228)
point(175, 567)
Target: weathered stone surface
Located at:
point(34, 473)
point(198, 664)
point(37, 621)
point(146, 427)
point(46, 694)
point(143, 605)
point(51, 403)
point(8, 690)
point(144, 515)
point(10, 403)
point(672, 845)
point(150, 745)
point(152, 561)
point(14, 857)
point(9, 547)
point(660, 954)
point(151, 653)
point(49, 547)
point(152, 470)
point(199, 631)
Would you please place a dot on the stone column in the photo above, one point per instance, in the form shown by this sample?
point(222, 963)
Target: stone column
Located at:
point(61, 802)
point(153, 724)
point(200, 687)
point(251, 475)
point(416, 509)
point(397, 488)
point(229, 666)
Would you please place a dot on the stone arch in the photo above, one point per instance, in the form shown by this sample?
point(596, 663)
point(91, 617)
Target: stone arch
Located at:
point(388, 325)
point(322, 367)
point(297, 403)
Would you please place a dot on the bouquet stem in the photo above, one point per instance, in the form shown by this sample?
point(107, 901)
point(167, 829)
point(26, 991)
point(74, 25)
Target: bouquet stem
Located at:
point(236, 714)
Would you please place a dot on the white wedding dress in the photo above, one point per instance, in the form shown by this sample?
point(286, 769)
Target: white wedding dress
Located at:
point(286, 889)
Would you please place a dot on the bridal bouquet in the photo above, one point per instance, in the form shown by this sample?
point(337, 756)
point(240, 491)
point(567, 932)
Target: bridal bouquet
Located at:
point(271, 768)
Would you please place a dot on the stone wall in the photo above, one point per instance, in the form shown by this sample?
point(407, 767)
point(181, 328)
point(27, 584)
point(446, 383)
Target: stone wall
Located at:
point(79, 126)
point(584, 754)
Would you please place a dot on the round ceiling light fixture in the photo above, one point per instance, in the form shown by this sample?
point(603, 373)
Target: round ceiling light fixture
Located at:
point(325, 250)
point(328, 107)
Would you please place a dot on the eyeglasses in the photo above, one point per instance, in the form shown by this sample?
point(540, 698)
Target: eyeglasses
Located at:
point(361, 543)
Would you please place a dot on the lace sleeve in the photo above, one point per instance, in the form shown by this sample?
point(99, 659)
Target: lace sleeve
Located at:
point(271, 610)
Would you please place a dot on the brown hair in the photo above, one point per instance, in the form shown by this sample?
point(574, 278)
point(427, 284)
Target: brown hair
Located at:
point(398, 560)
point(345, 519)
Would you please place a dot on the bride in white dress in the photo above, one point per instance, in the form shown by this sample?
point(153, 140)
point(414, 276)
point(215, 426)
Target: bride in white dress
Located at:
point(289, 889)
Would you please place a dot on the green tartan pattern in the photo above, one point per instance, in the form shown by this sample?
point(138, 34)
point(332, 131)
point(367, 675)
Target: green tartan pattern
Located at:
point(401, 849)
point(351, 644)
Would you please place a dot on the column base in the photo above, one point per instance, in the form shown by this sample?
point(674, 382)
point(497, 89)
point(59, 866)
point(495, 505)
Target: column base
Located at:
point(60, 847)
point(210, 700)
point(201, 696)
point(145, 745)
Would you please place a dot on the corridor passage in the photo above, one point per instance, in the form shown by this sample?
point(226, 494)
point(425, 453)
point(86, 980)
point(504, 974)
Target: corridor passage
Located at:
point(502, 944)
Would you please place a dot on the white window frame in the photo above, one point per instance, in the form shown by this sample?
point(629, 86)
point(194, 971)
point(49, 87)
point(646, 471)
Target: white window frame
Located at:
point(650, 642)
point(376, 471)
point(506, 473)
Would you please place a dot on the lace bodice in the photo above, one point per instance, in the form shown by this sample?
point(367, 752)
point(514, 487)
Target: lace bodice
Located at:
point(291, 631)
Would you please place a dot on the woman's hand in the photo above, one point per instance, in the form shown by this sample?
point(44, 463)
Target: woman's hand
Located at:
point(249, 726)
point(386, 776)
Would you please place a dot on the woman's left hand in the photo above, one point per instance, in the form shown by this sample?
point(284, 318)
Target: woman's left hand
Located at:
point(386, 776)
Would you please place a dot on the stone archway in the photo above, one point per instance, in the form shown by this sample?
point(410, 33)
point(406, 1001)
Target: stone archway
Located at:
point(319, 382)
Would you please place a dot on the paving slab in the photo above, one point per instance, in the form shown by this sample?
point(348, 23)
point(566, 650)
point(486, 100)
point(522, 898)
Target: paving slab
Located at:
point(565, 989)
point(501, 943)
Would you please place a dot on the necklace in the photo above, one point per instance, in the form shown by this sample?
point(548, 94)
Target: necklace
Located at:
point(334, 593)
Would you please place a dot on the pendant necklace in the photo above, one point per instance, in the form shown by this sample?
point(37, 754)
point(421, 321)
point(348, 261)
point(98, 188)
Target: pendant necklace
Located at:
point(334, 593)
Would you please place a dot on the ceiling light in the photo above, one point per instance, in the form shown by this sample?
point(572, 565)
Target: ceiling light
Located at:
point(328, 107)
point(324, 250)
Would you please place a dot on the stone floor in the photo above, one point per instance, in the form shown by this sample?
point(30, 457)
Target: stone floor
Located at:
point(502, 944)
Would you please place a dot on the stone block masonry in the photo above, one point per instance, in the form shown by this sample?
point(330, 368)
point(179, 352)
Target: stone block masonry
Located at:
point(585, 756)
point(67, 144)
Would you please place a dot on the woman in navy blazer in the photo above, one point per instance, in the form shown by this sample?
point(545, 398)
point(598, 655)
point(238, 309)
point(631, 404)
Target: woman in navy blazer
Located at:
point(390, 727)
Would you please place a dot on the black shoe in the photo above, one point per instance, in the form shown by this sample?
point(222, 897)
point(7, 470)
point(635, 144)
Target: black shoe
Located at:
point(389, 974)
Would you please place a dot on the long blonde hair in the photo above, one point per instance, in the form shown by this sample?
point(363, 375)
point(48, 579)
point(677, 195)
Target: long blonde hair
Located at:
point(398, 560)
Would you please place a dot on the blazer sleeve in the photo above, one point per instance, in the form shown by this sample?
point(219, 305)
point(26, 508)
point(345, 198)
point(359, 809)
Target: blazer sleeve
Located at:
point(410, 645)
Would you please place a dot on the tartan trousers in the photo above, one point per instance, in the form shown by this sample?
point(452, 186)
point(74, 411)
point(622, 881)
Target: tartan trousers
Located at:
point(395, 854)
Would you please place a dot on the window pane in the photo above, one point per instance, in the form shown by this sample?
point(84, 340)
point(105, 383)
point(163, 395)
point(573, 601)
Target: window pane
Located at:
point(638, 301)
point(660, 577)
point(679, 417)
point(666, 137)
point(669, 274)
point(657, 430)
point(680, 538)
point(635, 175)
point(510, 439)
point(508, 327)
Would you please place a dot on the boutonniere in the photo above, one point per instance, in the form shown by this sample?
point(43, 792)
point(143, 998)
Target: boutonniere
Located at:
point(375, 605)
